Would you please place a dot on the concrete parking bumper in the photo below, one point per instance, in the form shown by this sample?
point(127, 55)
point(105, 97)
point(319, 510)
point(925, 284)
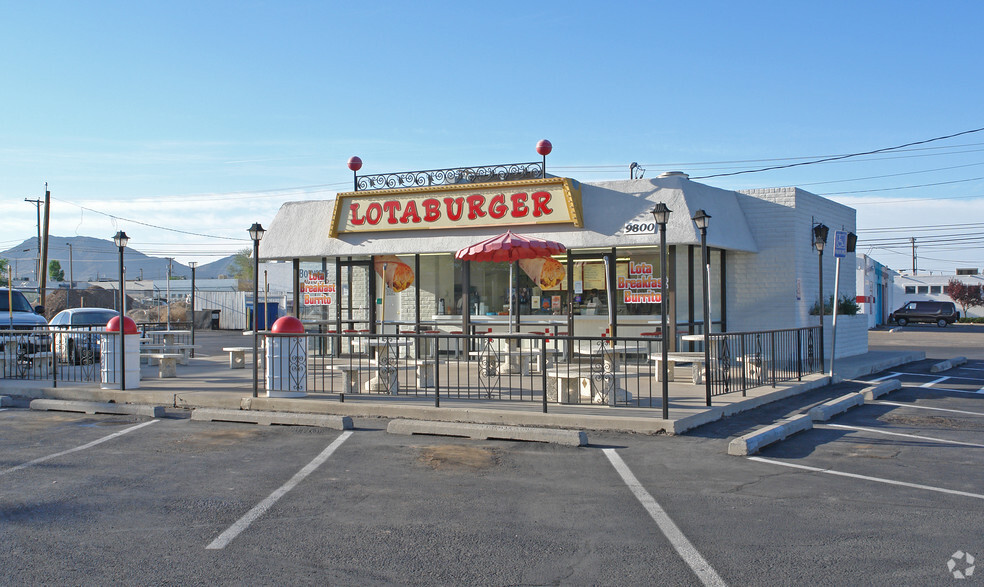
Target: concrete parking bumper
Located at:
point(753, 442)
point(272, 418)
point(59, 405)
point(947, 365)
point(487, 432)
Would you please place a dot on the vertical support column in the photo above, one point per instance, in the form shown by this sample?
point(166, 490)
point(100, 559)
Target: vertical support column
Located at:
point(297, 287)
point(372, 293)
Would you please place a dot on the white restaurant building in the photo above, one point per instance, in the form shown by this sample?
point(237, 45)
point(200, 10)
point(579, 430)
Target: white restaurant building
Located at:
point(764, 270)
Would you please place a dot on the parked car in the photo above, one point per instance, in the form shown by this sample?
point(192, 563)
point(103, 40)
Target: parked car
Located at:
point(942, 313)
point(81, 343)
point(17, 319)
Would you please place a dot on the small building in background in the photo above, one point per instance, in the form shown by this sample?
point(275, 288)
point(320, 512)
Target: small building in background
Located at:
point(932, 287)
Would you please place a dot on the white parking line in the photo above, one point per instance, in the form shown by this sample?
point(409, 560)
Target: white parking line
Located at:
point(931, 375)
point(884, 377)
point(684, 548)
point(885, 432)
point(77, 448)
point(915, 407)
point(867, 478)
point(259, 509)
point(934, 382)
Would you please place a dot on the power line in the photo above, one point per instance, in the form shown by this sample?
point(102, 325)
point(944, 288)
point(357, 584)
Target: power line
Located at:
point(826, 159)
point(904, 187)
point(115, 217)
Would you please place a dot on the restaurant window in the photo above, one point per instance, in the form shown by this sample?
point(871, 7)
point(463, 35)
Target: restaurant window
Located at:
point(910, 289)
point(936, 289)
point(922, 289)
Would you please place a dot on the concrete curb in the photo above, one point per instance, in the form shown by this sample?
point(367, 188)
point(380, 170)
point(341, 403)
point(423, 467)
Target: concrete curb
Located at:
point(753, 442)
point(271, 418)
point(487, 432)
point(948, 364)
point(57, 405)
point(5, 401)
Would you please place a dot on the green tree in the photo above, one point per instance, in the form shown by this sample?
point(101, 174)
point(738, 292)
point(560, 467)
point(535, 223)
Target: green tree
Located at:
point(3, 271)
point(55, 271)
point(242, 268)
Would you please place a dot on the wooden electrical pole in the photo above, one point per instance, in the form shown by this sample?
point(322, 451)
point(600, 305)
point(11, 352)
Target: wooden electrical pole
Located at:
point(44, 246)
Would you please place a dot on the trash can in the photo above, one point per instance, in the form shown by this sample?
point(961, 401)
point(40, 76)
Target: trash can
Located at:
point(286, 359)
point(109, 354)
point(267, 315)
point(215, 319)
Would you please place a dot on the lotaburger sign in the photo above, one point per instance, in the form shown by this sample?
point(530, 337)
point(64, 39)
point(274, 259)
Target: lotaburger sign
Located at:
point(539, 201)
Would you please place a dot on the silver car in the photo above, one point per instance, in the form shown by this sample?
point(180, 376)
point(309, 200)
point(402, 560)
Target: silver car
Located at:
point(77, 332)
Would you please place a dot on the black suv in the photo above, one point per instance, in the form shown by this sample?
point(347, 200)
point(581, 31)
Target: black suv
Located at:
point(942, 313)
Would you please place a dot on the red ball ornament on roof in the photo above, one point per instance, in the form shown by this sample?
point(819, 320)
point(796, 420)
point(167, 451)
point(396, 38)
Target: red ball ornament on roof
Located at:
point(287, 325)
point(354, 163)
point(129, 326)
point(544, 147)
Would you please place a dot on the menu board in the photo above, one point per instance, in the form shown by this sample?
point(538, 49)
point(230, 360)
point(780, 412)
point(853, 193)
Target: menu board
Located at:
point(593, 275)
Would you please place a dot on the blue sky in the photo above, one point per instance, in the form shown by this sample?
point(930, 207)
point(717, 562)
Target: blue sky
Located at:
point(207, 116)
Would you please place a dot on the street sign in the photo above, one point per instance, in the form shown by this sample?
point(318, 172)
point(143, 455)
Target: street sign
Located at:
point(840, 243)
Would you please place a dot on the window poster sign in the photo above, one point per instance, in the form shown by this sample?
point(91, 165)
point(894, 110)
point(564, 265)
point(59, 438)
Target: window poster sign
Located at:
point(314, 289)
point(640, 286)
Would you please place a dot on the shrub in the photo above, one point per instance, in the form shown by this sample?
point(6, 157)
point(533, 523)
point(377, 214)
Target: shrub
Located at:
point(846, 306)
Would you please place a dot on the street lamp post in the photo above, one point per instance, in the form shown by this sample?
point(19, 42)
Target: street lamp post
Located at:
point(701, 219)
point(121, 239)
point(193, 264)
point(662, 214)
point(256, 233)
point(819, 242)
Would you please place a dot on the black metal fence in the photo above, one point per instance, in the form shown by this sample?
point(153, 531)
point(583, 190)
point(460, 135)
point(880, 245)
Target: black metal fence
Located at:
point(67, 354)
point(740, 361)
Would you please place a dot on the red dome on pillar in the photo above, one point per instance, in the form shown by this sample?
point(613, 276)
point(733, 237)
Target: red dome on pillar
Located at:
point(287, 325)
point(354, 163)
point(544, 147)
point(129, 326)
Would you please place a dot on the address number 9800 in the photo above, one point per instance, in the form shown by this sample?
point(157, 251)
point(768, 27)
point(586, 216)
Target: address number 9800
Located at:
point(637, 228)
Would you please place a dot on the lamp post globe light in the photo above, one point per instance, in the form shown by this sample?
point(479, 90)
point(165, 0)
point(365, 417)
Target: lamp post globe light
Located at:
point(120, 239)
point(819, 242)
point(661, 214)
point(192, 264)
point(256, 234)
point(701, 219)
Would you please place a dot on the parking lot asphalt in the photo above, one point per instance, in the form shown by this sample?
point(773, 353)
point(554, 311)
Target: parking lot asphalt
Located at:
point(91, 499)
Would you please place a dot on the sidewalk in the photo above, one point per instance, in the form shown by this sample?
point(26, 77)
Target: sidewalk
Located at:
point(208, 382)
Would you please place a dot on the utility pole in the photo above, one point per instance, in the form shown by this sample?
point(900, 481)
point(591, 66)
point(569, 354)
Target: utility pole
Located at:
point(37, 204)
point(44, 246)
point(169, 259)
point(915, 269)
point(71, 277)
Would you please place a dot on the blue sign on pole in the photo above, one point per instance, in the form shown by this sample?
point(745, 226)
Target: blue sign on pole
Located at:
point(840, 243)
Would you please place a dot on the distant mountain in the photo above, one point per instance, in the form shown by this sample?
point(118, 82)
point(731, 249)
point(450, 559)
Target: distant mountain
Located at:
point(91, 259)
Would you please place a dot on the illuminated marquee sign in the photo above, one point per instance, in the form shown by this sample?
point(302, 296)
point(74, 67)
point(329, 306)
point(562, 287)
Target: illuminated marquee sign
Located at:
point(538, 201)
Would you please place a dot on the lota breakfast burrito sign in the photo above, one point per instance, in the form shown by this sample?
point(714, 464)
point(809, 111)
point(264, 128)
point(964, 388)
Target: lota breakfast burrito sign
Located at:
point(538, 201)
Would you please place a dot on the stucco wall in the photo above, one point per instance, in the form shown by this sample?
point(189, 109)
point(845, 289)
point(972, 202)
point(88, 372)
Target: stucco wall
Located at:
point(776, 287)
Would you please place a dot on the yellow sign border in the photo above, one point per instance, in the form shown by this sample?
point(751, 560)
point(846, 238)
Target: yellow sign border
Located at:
point(572, 198)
